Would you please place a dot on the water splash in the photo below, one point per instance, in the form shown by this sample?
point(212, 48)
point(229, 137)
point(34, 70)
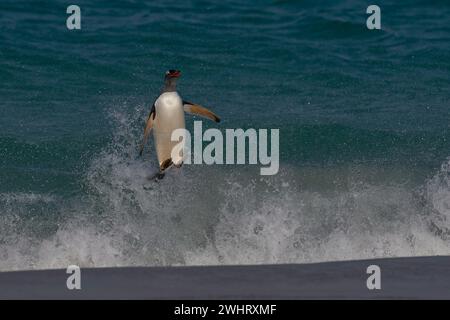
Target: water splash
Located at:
point(219, 214)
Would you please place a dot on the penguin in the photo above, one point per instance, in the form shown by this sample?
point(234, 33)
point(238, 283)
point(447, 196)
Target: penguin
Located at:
point(167, 115)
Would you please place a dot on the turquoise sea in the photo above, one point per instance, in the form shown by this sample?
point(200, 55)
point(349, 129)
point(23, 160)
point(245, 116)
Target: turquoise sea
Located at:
point(364, 119)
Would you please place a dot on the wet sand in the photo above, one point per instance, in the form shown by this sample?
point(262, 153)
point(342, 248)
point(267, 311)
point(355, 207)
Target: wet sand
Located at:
point(401, 278)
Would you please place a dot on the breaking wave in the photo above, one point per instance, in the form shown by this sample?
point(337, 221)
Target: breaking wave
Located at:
point(221, 215)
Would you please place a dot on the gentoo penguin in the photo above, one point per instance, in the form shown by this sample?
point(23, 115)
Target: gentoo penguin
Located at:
point(166, 115)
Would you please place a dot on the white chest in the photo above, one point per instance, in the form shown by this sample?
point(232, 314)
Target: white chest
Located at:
point(169, 112)
point(168, 101)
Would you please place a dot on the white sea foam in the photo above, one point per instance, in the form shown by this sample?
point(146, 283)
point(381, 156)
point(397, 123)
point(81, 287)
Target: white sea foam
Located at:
point(211, 215)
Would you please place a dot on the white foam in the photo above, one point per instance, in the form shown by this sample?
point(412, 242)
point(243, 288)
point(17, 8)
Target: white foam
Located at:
point(218, 215)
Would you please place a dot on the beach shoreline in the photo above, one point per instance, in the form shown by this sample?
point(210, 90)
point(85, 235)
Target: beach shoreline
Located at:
point(401, 278)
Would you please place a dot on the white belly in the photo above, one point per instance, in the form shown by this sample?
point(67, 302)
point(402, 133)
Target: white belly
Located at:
point(169, 117)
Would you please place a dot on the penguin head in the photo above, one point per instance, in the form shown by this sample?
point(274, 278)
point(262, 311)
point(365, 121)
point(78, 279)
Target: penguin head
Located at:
point(170, 80)
point(170, 74)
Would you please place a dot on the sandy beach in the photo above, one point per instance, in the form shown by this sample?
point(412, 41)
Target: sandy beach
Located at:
point(401, 278)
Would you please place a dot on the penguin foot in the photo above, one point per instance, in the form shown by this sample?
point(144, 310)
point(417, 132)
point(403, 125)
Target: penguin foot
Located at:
point(165, 164)
point(159, 176)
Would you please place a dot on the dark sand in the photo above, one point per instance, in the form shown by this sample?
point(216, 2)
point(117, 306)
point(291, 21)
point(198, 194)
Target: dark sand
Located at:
point(401, 278)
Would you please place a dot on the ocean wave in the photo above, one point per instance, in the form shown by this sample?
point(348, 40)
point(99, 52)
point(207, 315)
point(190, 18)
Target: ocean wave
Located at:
point(220, 215)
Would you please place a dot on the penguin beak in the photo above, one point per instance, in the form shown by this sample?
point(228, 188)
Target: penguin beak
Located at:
point(174, 73)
